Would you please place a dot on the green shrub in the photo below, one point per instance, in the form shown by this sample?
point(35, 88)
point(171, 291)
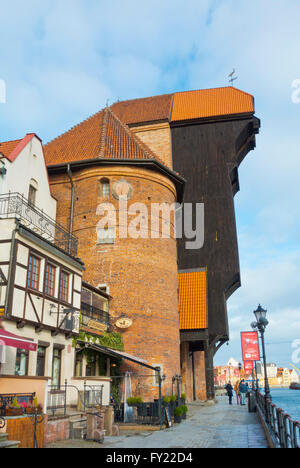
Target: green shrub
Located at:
point(178, 412)
point(183, 396)
point(167, 399)
point(134, 401)
point(173, 398)
point(184, 409)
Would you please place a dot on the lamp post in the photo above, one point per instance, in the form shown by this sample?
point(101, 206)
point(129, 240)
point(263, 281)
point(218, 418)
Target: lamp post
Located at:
point(261, 324)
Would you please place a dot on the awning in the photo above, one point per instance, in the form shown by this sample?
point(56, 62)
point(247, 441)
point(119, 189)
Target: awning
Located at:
point(9, 339)
point(118, 354)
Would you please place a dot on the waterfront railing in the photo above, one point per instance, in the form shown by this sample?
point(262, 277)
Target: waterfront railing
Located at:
point(284, 430)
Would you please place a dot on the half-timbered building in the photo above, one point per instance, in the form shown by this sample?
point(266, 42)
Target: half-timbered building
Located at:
point(40, 274)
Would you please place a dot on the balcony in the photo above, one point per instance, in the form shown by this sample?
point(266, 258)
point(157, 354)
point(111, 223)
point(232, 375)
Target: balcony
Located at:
point(14, 205)
point(92, 317)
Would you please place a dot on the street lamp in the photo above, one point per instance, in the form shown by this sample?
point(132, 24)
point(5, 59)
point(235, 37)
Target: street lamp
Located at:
point(261, 324)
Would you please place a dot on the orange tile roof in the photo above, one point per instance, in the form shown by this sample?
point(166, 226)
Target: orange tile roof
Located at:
point(12, 149)
point(193, 300)
point(144, 110)
point(206, 103)
point(101, 136)
point(7, 147)
point(186, 105)
point(87, 139)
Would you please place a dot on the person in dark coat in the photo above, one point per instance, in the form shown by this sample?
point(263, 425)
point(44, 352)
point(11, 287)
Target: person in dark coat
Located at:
point(243, 389)
point(229, 389)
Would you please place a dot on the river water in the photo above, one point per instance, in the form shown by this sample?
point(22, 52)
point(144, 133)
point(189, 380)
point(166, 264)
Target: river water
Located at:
point(288, 400)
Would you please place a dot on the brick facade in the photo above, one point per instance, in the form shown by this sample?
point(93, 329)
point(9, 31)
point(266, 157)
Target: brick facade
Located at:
point(158, 138)
point(193, 374)
point(57, 428)
point(141, 273)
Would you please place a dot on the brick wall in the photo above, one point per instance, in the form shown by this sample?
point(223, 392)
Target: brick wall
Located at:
point(56, 429)
point(158, 138)
point(141, 273)
point(187, 373)
point(22, 429)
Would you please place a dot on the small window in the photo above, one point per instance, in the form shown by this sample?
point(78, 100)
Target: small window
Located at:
point(104, 188)
point(90, 370)
point(64, 286)
point(33, 272)
point(21, 367)
point(32, 195)
point(106, 235)
point(49, 286)
point(78, 365)
point(56, 367)
point(41, 360)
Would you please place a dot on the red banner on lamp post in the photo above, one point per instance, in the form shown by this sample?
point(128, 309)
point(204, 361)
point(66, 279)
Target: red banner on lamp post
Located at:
point(250, 346)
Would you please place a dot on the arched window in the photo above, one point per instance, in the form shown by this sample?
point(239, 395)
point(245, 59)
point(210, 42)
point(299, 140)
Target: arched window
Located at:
point(104, 188)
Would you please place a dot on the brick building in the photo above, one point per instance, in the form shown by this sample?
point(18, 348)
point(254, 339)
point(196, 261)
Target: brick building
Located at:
point(100, 159)
point(140, 147)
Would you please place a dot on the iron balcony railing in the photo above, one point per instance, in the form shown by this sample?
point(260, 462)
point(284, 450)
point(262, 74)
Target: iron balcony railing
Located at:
point(285, 431)
point(89, 313)
point(14, 205)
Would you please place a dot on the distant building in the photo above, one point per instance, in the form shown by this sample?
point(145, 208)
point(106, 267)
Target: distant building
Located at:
point(233, 362)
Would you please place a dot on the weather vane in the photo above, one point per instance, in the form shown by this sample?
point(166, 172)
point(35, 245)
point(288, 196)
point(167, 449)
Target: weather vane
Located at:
point(231, 77)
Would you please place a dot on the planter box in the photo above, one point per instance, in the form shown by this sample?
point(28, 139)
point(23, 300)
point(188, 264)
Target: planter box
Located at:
point(14, 412)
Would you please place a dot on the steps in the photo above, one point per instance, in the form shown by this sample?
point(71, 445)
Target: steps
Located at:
point(78, 426)
point(5, 443)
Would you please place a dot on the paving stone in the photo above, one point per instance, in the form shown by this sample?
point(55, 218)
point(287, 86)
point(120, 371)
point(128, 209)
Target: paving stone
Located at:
point(219, 426)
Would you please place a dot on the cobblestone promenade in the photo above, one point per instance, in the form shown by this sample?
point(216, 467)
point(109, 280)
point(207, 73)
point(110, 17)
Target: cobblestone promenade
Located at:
point(219, 426)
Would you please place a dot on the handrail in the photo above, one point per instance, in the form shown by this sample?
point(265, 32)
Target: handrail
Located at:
point(284, 429)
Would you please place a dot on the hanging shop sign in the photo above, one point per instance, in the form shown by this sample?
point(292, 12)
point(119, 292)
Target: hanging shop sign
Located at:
point(124, 322)
point(96, 325)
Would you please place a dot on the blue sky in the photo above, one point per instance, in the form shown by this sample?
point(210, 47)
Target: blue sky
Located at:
point(62, 60)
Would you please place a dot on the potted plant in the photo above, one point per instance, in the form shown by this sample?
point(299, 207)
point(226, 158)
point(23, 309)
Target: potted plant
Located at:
point(134, 401)
point(39, 409)
point(166, 400)
point(184, 409)
point(29, 408)
point(15, 409)
point(178, 414)
point(183, 396)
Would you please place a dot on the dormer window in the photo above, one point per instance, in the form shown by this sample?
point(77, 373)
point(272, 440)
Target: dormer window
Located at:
point(104, 188)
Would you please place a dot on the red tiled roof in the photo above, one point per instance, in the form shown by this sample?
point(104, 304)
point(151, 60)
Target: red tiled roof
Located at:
point(101, 136)
point(143, 110)
point(7, 147)
point(193, 300)
point(186, 105)
point(11, 149)
point(96, 138)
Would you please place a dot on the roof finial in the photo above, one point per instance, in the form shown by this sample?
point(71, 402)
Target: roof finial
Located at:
point(231, 77)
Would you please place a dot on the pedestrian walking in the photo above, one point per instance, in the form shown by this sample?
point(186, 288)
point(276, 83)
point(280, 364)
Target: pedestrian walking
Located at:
point(243, 389)
point(229, 389)
point(236, 389)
